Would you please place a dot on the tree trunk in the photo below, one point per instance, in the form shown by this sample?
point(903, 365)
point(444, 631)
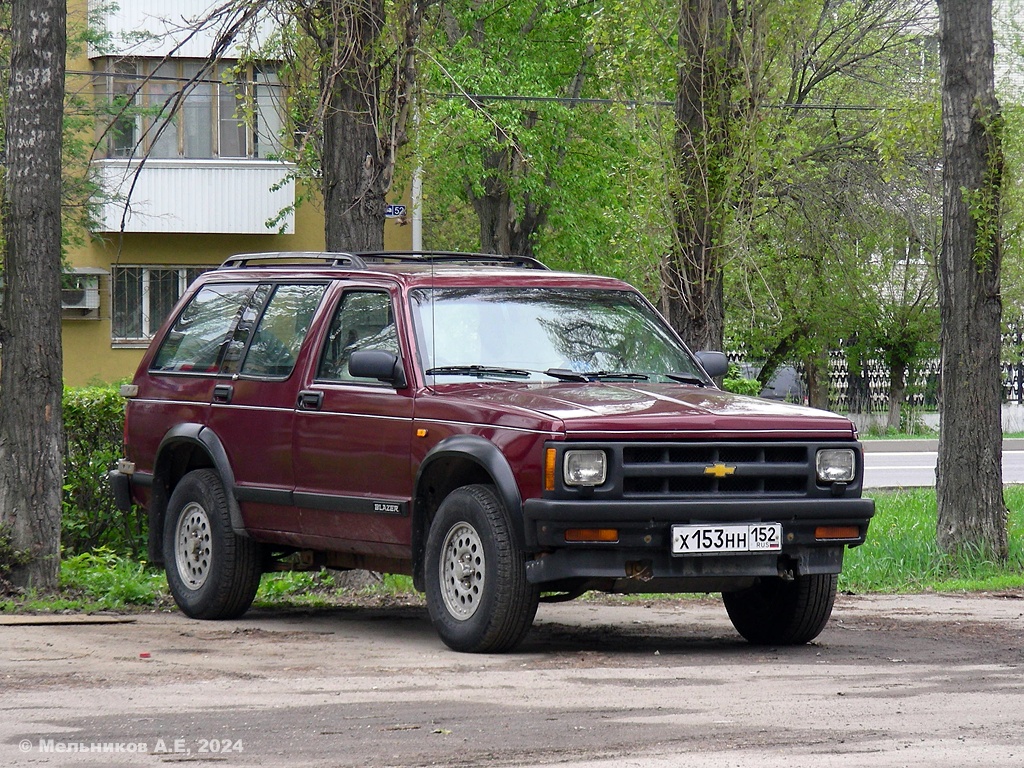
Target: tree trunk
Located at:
point(818, 380)
point(897, 394)
point(354, 171)
point(31, 432)
point(505, 227)
point(693, 276)
point(971, 511)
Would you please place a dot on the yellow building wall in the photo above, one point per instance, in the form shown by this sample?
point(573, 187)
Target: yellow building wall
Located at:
point(89, 354)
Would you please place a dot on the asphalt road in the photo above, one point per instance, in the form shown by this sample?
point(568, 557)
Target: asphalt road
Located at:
point(911, 463)
point(925, 680)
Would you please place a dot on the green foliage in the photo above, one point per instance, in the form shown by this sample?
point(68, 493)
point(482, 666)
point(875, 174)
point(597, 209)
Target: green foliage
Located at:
point(734, 381)
point(303, 585)
point(984, 204)
point(1013, 203)
point(105, 581)
point(911, 426)
point(93, 427)
point(322, 588)
point(111, 581)
point(901, 555)
point(563, 170)
point(839, 250)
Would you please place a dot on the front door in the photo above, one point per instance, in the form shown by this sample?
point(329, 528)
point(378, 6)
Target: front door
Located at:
point(353, 437)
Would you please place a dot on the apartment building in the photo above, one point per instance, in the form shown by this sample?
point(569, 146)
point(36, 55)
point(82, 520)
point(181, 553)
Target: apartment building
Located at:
point(179, 195)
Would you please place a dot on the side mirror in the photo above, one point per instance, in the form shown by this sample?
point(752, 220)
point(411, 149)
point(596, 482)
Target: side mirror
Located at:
point(715, 364)
point(378, 364)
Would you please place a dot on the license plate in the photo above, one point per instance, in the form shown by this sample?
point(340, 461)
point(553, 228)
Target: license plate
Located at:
point(742, 537)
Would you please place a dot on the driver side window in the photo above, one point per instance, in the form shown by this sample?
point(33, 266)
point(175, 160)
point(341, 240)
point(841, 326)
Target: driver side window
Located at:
point(363, 320)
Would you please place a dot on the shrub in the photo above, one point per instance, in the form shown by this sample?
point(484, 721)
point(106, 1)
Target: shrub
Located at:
point(734, 381)
point(113, 580)
point(93, 429)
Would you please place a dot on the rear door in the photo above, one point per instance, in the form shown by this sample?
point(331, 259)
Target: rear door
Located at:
point(253, 402)
point(183, 371)
point(353, 436)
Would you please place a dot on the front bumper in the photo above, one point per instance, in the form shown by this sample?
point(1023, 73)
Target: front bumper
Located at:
point(632, 570)
point(642, 551)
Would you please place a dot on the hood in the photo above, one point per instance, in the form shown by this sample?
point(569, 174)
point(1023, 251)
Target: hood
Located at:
point(595, 410)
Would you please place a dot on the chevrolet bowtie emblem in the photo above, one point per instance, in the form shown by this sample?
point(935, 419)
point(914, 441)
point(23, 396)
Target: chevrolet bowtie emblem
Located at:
point(719, 470)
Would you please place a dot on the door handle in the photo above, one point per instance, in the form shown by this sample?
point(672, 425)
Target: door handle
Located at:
point(222, 393)
point(310, 400)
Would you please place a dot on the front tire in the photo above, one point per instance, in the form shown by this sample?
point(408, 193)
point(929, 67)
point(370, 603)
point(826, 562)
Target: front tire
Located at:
point(212, 572)
point(477, 594)
point(777, 612)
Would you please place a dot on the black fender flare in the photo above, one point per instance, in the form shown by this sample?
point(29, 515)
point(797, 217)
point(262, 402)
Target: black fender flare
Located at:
point(206, 439)
point(488, 457)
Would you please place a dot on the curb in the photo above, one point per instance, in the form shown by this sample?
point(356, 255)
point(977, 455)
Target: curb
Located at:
point(926, 445)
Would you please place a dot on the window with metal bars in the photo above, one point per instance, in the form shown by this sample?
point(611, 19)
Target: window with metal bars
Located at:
point(142, 298)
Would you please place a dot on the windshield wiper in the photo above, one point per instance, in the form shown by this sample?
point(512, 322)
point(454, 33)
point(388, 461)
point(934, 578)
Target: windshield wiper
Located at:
point(481, 371)
point(566, 375)
point(618, 376)
point(687, 378)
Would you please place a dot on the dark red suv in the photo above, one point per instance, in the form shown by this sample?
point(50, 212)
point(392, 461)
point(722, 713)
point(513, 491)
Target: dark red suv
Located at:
point(503, 433)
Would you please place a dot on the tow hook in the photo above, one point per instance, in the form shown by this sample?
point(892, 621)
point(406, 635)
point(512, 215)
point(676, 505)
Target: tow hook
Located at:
point(641, 570)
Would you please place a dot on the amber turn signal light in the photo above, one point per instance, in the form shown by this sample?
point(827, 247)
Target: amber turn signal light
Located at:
point(836, 532)
point(549, 469)
point(609, 535)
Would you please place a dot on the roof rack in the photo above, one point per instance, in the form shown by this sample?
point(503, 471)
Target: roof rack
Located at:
point(365, 260)
point(285, 258)
point(451, 257)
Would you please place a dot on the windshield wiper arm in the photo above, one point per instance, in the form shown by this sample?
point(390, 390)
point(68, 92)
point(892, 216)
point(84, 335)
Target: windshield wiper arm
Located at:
point(615, 375)
point(564, 374)
point(620, 375)
point(477, 370)
point(687, 378)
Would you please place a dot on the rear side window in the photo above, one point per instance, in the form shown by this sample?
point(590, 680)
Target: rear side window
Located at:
point(275, 344)
point(198, 340)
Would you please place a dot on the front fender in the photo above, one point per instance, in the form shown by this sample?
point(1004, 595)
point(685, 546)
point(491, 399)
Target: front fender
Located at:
point(470, 458)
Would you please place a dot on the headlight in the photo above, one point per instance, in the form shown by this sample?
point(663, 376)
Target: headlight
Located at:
point(587, 468)
point(836, 465)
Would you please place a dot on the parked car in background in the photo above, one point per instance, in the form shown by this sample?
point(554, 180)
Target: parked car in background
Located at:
point(786, 384)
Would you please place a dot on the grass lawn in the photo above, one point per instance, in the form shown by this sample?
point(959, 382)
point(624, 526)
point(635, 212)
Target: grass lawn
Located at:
point(900, 556)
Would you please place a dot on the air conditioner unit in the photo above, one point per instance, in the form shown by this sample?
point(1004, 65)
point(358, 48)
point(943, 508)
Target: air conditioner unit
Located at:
point(80, 294)
point(80, 298)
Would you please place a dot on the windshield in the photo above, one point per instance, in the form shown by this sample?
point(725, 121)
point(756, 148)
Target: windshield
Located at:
point(544, 334)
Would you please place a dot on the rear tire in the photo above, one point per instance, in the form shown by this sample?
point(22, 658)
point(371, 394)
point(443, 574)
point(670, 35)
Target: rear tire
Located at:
point(477, 593)
point(212, 572)
point(777, 612)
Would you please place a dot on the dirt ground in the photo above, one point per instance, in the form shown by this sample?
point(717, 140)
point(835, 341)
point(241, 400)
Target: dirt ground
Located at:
point(925, 680)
